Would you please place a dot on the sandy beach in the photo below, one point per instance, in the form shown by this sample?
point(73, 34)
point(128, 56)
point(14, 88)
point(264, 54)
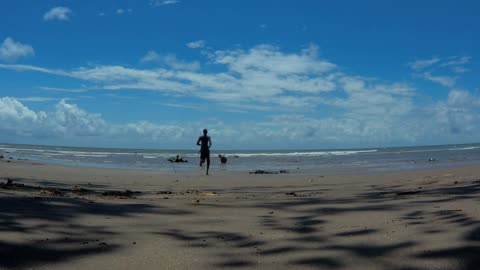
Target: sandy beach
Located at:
point(58, 217)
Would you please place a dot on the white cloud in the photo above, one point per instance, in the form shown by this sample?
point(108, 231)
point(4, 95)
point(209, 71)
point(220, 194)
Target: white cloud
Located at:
point(11, 50)
point(170, 60)
point(447, 81)
point(447, 121)
point(57, 89)
point(121, 11)
point(459, 69)
point(250, 75)
point(422, 64)
point(57, 13)
point(36, 99)
point(263, 78)
point(177, 64)
point(157, 3)
point(196, 44)
point(151, 56)
point(456, 61)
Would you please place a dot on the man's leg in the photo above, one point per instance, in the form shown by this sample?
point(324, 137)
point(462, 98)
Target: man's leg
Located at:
point(208, 163)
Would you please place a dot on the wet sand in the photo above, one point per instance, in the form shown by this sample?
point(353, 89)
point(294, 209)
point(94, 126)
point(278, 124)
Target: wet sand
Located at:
point(56, 217)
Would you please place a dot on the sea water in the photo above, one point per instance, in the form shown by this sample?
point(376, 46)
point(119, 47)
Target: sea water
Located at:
point(371, 159)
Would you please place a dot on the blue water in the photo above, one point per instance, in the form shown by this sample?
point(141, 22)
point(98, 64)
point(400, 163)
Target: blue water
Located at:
point(373, 159)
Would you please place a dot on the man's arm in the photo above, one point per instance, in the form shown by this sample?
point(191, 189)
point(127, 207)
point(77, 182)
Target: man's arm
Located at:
point(209, 142)
point(198, 141)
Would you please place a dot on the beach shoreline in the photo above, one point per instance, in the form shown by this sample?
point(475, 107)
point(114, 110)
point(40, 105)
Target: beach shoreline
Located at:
point(60, 217)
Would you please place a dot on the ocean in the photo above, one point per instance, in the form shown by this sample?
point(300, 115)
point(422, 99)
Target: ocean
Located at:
point(370, 160)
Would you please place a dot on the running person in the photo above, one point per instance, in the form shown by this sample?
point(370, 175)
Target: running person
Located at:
point(205, 143)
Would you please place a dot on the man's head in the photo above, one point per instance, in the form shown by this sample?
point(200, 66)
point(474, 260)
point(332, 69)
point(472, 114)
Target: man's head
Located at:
point(205, 131)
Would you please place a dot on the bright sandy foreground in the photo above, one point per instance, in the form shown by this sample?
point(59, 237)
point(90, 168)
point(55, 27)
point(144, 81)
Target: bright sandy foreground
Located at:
point(410, 220)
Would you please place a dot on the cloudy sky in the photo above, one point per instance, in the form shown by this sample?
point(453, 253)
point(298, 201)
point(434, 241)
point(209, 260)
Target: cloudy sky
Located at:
point(269, 74)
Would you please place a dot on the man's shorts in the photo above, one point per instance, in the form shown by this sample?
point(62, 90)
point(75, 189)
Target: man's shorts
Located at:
point(204, 155)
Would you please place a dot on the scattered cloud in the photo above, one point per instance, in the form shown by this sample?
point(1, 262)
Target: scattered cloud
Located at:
point(177, 64)
point(57, 13)
point(422, 64)
point(170, 60)
point(263, 26)
point(121, 11)
point(10, 50)
point(455, 64)
point(35, 99)
point(196, 44)
point(151, 56)
point(441, 122)
point(157, 3)
point(447, 81)
point(67, 90)
point(286, 86)
point(456, 61)
point(262, 73)
point(457, 69)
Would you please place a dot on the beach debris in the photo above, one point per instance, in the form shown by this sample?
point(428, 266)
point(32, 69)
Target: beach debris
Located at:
point(177, 159)
point(78, 189)
point(2, 157)
point(291, 194)
point(120, 194)
point(164, 192)
point(269, 172)
point(208, 194)
point(432, 159)
point(10, 185)
point(52, 192)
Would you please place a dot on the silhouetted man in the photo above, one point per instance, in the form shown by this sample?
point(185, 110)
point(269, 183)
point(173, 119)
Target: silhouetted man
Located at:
point(205, 143)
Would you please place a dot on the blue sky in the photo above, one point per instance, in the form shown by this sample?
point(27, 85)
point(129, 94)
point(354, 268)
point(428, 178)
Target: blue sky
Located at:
point(258, 74)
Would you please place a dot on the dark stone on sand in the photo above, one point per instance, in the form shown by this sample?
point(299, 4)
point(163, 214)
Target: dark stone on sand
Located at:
point(52, 192)
point(403, 193)
point(2, 157)
point(291, 194)
point(10, 185)
point(114, 193)
point(78, 189)
point(269, 172)
point(164, 192)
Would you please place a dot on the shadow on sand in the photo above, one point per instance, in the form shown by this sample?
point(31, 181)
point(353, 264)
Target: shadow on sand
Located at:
point(304, 241)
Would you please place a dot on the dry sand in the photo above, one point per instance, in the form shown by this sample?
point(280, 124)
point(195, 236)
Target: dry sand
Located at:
point(55, 217)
